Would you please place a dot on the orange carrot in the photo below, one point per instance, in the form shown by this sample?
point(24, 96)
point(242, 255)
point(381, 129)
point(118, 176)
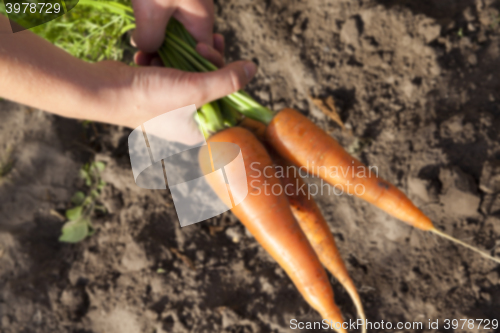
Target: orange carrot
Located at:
point(301, 142)
point(313, 224)
point(269, 219)
point(310, 219)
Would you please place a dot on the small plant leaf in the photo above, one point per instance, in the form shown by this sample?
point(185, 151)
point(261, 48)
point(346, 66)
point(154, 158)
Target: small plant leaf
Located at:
point(100, 208)
point(100, 166)
point(91, 229)
point(74, 214)
point(94, 194)
point(78, 198)
point(101, 185)
point(74, 231)
point(84, 174)
point(87, 201)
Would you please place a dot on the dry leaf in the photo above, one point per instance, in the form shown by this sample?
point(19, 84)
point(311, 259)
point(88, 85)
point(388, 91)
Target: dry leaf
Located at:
point(55, 213)
point(328, 107)
point(214, 229)
point(184, 258)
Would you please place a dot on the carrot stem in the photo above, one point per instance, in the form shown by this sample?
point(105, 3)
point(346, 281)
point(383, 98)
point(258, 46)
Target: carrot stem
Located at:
point(470, 247)
point(245, 104)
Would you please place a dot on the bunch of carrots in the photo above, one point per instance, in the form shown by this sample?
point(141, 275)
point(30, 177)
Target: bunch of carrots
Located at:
point(291, 228)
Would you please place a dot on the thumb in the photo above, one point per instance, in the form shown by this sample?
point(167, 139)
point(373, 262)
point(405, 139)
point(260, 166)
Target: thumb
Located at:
point(227, 80)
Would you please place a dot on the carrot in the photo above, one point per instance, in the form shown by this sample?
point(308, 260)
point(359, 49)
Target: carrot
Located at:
point(313, 224)
point(301, 142)
point(269, 219)
point(310, 219)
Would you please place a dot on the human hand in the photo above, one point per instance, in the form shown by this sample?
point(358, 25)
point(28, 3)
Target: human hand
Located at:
point(197, 16)
point(152, 17)
point(109, 91)
point(137, 94)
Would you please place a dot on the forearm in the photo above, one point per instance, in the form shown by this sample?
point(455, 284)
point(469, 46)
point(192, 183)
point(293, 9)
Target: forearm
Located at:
point(36, 73)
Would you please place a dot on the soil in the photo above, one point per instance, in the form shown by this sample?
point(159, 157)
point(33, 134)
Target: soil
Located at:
point(417, 85)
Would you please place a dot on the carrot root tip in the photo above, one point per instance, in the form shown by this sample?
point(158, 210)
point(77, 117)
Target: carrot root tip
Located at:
point(470, 247)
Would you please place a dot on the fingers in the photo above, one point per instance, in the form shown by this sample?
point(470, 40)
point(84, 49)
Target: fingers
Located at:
point(143, 58)
point(210, 54)
point(198, 18)
point(112, 63)
point(147, 59)
point(151, 20)
point(219, 44)
point(214, 85)
point(216, 54)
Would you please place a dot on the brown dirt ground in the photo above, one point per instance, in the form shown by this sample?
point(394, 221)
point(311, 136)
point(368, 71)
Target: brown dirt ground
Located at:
point(417, 84)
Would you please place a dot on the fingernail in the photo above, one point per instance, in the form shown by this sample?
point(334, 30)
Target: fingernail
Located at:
point(132, 41)
point(250, 69)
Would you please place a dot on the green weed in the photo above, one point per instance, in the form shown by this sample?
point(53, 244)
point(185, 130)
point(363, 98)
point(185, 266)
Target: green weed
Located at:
point(89, 34)
point(6, 164)
point(495, 20)
point(79, 224)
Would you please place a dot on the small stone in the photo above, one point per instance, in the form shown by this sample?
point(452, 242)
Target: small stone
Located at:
point(134, 258)
point(430, 31)
point(234, 234)
point(266, 286)
point(493, 277)
point(156, 285)
point(418, 187)
point(495, 206)
point(494, 222)
point(73, 299)
point(260, 9)
point(5, 321)
point(472, 59)
point(490, 177)
point(263, 95)
point(150, 314)
point(481, 37)
point(452, 126)
point(350, 32)
point(491, 204)
point(200, 255)
point(297, 30)
point(486, 296)
point(486, 203)
point(37, 317)
point(229, 318)
point(469, 14)
point(459, 193)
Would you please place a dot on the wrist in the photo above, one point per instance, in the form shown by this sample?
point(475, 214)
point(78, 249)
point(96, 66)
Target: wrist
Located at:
point(105, 94)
